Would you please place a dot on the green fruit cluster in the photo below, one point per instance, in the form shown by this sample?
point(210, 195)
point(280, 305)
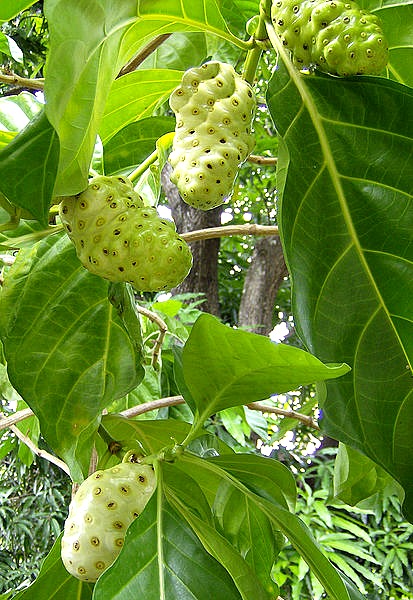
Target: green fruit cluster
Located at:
point(104, 506)
point(214, 110)
point(120, 239)
point(336, 36)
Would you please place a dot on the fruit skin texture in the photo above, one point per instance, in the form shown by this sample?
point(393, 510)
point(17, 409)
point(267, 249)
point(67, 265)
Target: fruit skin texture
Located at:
point(214, 110)
point(336, 36)
point(104, 506)
point(120, 239)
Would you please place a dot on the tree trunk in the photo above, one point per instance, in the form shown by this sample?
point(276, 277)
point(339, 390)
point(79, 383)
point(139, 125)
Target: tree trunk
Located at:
point(203, 277)
point(262, 282)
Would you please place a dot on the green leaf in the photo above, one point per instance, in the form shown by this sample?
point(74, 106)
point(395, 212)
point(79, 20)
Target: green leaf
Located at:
point(356, 477)
point(135, 96)
point(162, 558)
point(134, 143)
point(17, 111)
point(346, 217)
point(153, 435)
point(249, 531)
point(54, 582)
point(28, 167)
point(397, 19)
point(224, 367)
point(11, 8)
point(84, 58)
point(283, 520)
point(68, 352)
point(245, 578)
point(266, 477)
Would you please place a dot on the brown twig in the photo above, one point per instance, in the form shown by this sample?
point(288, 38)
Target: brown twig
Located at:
point(163, 328)
point(291, 414)
point(152, 405)
point(21, 415)
point(228, 230)
point(41, 453)
point(23, 82)
point(138, 59)
point(262, 160)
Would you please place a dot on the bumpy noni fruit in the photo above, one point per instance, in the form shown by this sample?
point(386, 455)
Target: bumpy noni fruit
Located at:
point(214, 110)
point(104, 506)
point(336, 36)
point(120, 239)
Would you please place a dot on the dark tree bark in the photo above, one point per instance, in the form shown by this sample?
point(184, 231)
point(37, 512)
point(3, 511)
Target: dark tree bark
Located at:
point(263, 279)
point(203, 277)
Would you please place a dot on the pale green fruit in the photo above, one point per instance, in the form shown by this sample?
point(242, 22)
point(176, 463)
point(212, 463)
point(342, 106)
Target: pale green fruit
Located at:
point(120, 239)
point(104, 506)
point(214, 110)
point(335, 36)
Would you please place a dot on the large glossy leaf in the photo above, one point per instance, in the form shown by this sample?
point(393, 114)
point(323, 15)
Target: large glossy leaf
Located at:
point(281, 518)
point(83, 60)
point(68, 352)
point(163, 559)
point(249, 530)
point(54, 582)
point(225, 367)
point(135, 96)
point(28, 167)
point(346, 218)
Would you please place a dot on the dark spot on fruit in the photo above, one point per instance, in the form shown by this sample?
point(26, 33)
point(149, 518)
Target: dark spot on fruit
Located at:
point(97, 491)
point(116, 232)
point(124, 489)
point(69, 228)
point(119, 542)
point(121, 269)
point(222, 141)
point(207, 151)
point(95, 541)
point(81, 570)
point(209, 166)
point(121, 180)
point(280, 22)
point(76, 545)
point(117, 525)
point(100, 565)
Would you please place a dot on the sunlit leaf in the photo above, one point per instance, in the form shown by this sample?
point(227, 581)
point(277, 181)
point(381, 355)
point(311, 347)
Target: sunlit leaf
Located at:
point(68, 352)
point(252, 367)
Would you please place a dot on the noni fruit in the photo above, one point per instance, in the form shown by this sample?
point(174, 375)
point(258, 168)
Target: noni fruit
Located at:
point(120, 239)
point(336, 36)
point(104, 506)
point(214, 110)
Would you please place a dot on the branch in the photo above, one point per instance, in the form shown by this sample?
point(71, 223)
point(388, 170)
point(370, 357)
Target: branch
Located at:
point(228, 230)
point(148, 406)
point(163, 328)
point(262, 160)
point(21, 415)
point(24, 82)
point(291, 414)
point(41, 453)
point(137, 60)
